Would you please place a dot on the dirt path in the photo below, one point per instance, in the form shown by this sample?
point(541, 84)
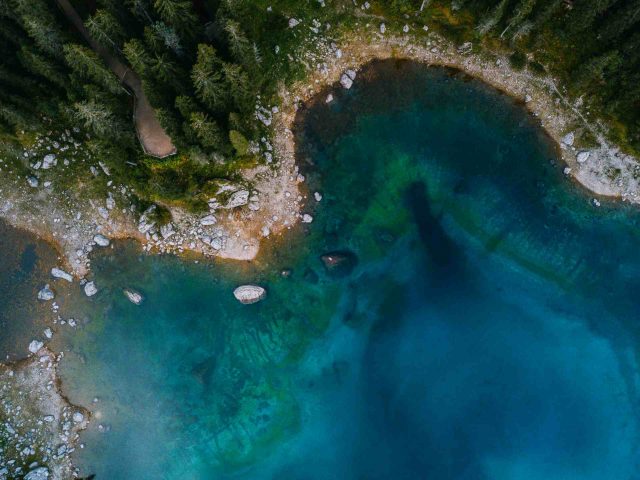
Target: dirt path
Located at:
point(153, 138)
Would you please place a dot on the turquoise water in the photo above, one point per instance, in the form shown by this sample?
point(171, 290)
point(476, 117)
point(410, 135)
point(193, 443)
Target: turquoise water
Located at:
point(488, 332)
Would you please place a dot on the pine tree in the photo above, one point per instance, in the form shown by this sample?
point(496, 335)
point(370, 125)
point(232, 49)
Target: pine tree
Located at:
point(207, 79)
point(492, 18)
point(98, 118)
point(620, 21)
point(237, 82)
point(179, 14)
point(208, 131)
point(137, 56)
point(585, 12)
point(594, 70)
point(86, 63)
point(522, 10)
point(239, 44)
point(105, 29)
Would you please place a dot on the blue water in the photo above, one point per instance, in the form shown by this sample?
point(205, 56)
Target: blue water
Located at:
point(488, 332)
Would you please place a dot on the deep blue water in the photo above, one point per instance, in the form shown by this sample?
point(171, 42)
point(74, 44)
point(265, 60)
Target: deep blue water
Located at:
point(488, 332)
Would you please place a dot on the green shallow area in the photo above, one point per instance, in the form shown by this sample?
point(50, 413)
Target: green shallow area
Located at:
point(486, 332)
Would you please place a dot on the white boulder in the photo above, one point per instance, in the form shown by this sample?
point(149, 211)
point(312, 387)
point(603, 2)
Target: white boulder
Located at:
point(238, 199)
point(59, 273)
point(49, 161)
point(208, 220)
point(568, 139)
point(90, 289)
point(248, 294)
point(35, 346)
point(582, 156)
point(40, 473)
point(101, 240)
point(345, 81)
point(46, 294)
point(133, 296)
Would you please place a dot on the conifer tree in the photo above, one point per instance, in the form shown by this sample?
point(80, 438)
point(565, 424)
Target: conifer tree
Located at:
point(208, 80)
point(87, 64)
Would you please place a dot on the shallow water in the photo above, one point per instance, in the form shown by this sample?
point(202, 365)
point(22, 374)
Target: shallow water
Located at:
point(489, 330)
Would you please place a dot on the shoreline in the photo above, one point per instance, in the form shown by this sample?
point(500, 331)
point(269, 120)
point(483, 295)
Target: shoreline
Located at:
point(43, 423)
point(562, 121)
point(275, 203)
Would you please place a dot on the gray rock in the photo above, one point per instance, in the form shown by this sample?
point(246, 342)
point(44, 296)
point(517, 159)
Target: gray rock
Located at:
point(582, 156)
point(32, 181)
point(78, 417)
point(383, 28)
point(208, 220)
point(345, 81)
point(306, 218)
point(239, 198)
point(101, 240)
point(49, 161)
point(167, 231)
point(46, 294)
point(248, 294)
point(59, 273)
point(90, 289)
point(293, 22)
point(40, 473)
point(568, 139)
point(35, 346)
point(133, 296)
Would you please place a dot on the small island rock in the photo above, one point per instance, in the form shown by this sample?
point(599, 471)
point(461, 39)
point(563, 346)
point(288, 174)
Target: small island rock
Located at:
point(133, 296)
point(35, 346)
point(46, 294)
point(59, 273)
point(248, 294)
point(90, 289)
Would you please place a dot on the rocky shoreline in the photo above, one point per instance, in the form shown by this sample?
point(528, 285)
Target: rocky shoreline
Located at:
point(603, 169)
point(39, 428)
point(269, 202)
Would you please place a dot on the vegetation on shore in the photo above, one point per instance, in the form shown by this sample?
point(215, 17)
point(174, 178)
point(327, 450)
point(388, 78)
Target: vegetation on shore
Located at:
point(212, 70)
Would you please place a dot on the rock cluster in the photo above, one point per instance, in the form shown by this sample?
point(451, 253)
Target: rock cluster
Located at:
point(38, 427)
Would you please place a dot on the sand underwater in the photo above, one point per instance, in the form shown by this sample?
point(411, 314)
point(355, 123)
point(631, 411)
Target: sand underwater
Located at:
point(485, 326)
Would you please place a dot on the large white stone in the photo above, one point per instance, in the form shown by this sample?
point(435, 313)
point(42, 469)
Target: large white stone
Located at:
point(59, 273)
point(345, 81)
point(238, 199)
point(133, 296)
point(46, 294)
point(208, 220)
point(40, 473)
point(90, 289)
point(101, 240)
point(582, 156)
point(35, 346)
point(248, 294)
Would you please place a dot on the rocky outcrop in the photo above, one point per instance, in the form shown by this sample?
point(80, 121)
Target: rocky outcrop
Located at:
point(248, 294)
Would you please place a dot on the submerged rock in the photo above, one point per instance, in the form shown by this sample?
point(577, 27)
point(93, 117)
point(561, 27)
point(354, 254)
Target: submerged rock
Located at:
point(46, 294)
point(90, 289)
point(133, 296)
point(339, 263)
point(248, 294)
point(59, 273)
